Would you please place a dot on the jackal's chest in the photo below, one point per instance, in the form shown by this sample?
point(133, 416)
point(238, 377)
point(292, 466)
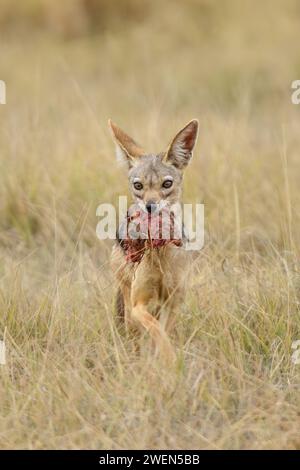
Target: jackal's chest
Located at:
point(160, 270)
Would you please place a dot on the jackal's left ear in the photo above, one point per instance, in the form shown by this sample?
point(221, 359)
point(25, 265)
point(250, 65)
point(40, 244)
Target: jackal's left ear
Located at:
point(180, 151)
point(127, 149)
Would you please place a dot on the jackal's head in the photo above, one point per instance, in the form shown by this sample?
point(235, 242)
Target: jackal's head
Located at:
point(156, 179)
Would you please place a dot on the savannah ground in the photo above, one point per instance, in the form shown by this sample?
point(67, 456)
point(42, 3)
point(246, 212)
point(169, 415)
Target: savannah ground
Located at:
point(72, 380)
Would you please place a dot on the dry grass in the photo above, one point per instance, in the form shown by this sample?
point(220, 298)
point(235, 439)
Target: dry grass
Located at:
point(72, 381)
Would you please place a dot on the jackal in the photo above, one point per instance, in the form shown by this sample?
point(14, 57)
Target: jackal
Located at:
point(151, 288)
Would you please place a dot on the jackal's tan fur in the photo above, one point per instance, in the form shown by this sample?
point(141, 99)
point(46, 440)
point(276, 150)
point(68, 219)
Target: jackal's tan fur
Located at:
point(151, 291)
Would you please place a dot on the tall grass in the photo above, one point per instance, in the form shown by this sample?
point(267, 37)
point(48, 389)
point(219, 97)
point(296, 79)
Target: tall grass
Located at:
point(71, 379)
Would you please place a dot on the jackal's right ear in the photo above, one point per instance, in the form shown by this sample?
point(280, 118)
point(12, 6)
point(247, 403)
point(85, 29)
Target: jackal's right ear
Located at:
point(127, 149)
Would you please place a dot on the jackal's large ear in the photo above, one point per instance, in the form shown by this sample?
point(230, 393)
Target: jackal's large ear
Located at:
point(180, 151)
point(127, 149)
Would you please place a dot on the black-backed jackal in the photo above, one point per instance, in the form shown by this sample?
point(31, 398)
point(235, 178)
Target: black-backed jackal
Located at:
point(151, 288)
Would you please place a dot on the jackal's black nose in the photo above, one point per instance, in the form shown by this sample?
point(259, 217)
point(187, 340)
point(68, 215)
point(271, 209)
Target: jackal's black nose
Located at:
point(151, 206)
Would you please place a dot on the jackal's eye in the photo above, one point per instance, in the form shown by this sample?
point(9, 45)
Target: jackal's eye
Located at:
point(137, 185)
point(167, 184)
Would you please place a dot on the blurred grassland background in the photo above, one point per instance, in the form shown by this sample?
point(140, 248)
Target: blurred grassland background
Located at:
point(71, 379)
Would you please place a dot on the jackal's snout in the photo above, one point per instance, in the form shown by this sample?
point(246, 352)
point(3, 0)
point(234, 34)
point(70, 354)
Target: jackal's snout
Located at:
point(151, 206)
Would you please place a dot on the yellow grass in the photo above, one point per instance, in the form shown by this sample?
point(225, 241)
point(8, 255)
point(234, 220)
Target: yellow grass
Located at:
point(71, 379)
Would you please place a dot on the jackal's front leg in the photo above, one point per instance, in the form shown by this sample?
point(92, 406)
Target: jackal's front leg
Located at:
point(141, 315)
point(144, 297)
